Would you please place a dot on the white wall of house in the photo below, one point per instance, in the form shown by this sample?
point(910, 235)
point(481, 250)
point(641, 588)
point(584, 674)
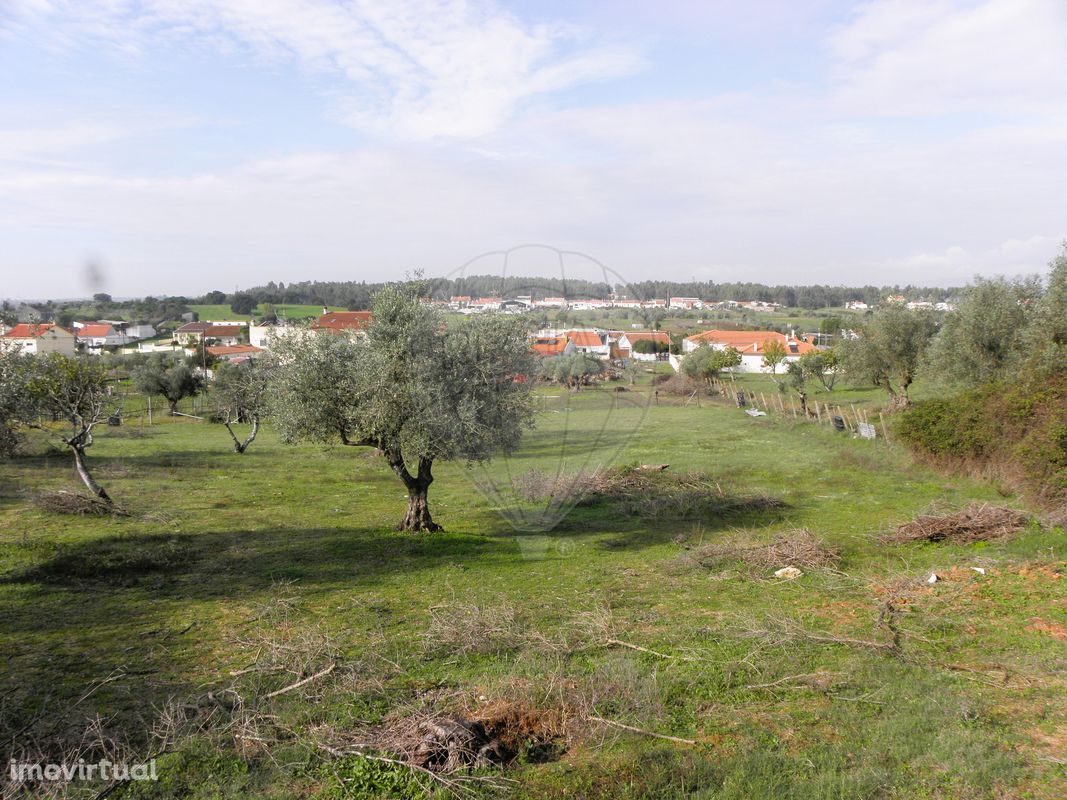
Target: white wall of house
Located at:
point(55, 340)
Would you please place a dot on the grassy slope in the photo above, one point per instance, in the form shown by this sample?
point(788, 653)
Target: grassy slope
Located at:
point(213, 534)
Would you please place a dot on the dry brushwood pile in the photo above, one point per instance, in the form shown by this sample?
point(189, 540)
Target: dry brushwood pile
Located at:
point(62, 502)
point(654, 491)
point(978, 522)
point(448, 743)
point(796, 548)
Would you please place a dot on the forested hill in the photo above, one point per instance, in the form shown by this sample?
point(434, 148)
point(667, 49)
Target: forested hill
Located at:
point(357, 294)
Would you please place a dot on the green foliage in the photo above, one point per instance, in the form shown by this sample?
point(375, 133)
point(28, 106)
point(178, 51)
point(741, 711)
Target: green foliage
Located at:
point(1020, 427)
point(1046, 336)
point(650, 347)
point(982, 340)
point(414, 389)
point(243, 303)
point(15, 401)
point(572, 369)
point(171, 380)
point(888, 352)
point(774, 354)
point(707, 363)
point(820, 365)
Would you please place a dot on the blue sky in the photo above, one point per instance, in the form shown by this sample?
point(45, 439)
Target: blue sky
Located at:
point(188, 145)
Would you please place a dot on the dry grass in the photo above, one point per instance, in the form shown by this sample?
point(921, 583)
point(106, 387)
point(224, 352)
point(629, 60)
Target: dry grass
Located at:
point(797, 548)
point(463, 628)
point(62, 502)
point(978, 522)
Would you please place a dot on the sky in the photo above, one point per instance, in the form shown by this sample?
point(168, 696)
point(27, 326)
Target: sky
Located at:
point(180, 146)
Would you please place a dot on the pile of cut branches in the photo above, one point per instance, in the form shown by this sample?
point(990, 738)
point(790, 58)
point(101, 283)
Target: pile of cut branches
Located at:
point(978, 522)
point(797, 548)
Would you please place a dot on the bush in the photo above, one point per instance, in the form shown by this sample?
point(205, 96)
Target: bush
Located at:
point(1019, 430)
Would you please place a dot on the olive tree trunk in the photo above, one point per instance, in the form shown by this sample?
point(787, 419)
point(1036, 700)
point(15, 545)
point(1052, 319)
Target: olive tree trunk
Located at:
point(86, 476)
point(417, 518)
point(240, 445)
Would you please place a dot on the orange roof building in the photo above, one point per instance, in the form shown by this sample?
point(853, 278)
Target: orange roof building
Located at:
point(344, 321)
point(548, 346)
point(752, 345)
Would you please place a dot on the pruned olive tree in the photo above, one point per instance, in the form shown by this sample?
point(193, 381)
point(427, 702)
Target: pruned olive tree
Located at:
point(75, 392)
point(241, 393)
point(707, 363)
point(16, 407)
point(888, 352)
point(172, 380)
point(821, 365)
point(413, 389)
point(572, 370)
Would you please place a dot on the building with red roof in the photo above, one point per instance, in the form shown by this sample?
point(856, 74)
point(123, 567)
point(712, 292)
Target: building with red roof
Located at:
point(39, 338)
point(752, 345)
point(348, 322)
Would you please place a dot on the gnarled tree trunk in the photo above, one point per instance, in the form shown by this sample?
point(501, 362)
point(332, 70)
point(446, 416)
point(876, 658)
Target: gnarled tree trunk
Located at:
point(417, 517)
point(86, 476)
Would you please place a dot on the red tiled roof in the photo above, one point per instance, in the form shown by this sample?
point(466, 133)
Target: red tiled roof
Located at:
point(93, 330)
point(752, 342)
point(194, 327)
point(656, 336)
point(344, 321)
point(585, 338)
point(30, 330)
point(551, 346)
point(224, 330)
point(233, 349)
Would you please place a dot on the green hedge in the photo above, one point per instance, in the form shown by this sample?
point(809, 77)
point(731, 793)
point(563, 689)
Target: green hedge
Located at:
point(1022, 426)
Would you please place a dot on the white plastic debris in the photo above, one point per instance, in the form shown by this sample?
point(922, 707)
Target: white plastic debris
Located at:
point(788, 573)
point(934, 578)
point(979, 570)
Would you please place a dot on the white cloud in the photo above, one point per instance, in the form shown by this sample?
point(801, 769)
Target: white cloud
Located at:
point(414, 68)
point(932, 57)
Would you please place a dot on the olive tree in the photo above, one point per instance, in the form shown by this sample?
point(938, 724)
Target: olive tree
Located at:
point(573, 369)
point(1046, 336)
point(820, 365)
point(983, 339)
point(15, 404)
point(241, 393)
point(171, 380)
point(413, 389)
point(706, 363)
point(888, 352)
point(76, 393)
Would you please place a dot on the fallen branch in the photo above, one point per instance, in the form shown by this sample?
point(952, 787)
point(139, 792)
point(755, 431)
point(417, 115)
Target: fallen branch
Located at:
point(642, 731)
point(300, 683)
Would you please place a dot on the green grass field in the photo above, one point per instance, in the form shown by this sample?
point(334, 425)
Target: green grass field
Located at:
point(288, 311)
point(280, 562)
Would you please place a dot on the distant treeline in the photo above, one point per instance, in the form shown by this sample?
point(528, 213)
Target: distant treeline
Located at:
point(356, 295)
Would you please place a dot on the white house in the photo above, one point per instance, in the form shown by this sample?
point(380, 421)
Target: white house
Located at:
point(37, 339)
point(140, 331)
point(93, 336)
point(626, 341)
point(590, 341)
point(750, 344)
point(685, 302)
point(856, 305)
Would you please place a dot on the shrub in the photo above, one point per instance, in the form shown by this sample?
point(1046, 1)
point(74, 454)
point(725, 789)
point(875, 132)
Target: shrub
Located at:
point(1019, 430)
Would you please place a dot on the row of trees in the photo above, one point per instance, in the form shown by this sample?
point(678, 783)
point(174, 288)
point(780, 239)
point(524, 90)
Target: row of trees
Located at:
point(358, 295)
point(1001, 328)
point(415, 390)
